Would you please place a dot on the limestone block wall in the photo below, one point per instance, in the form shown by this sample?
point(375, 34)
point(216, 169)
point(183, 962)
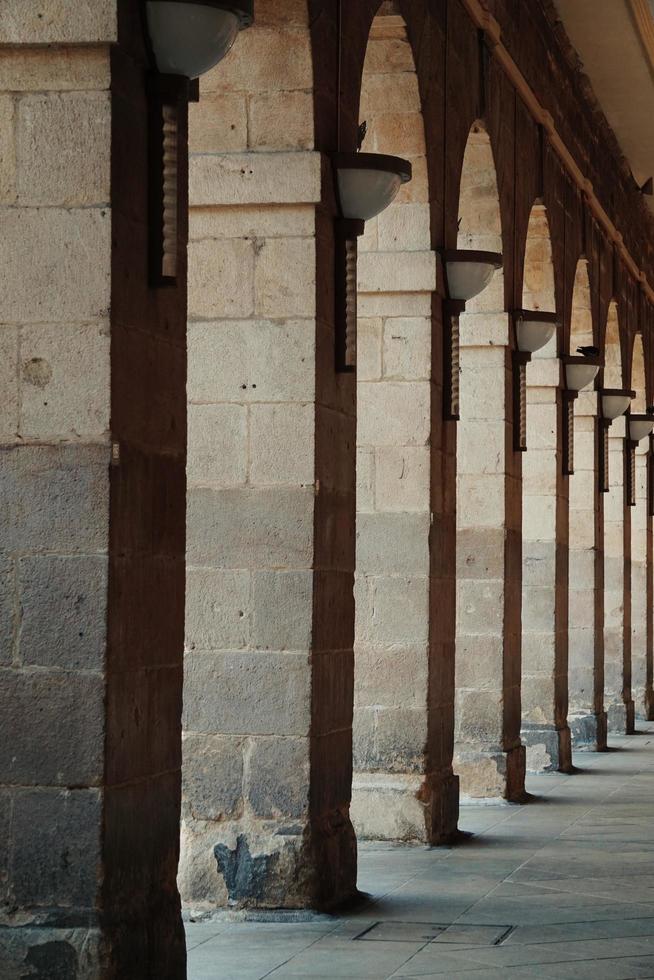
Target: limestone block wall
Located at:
point(55, 256)
point(614, 513)
point(270, 551)
point(92, 494)
point(639, 584)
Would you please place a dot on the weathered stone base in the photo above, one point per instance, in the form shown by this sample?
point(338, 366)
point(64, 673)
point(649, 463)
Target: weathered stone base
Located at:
point(46, 953)
point(548, 748)
point(268, 866)
point(622, 718)
point(491, 775)
point(387, 806)
point(588, 731)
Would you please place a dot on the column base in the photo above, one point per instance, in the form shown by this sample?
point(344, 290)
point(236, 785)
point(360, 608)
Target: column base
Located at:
point(388, 806)
point(588, 730)
point(622, 718)
point(52, 952)
point(491, 775)
point(649, 705)
point(549, 749)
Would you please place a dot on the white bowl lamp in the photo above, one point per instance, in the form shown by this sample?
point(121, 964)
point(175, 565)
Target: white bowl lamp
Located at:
point(469, 271)
point(534, 329)
point(615, 402)
point(368, 182)
point(189, 37)
point(640, 426)
point(365, 184)
point(580, 371)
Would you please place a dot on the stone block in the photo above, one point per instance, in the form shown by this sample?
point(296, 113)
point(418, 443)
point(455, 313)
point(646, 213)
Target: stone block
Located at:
point(282, 445)
point(480, 553)
point(218, 609)
point(64, 382)
point(393, 544)
point(217, 445)
point(54, 498)
point(55, 169)
point(55, 859)
point(539, 517)
point(221, 275)
point(393, 272)
point(282, 616)
point(250, 528)
point(43, 250)
point(488, 334)
point(365, 471)
point(218, 123)
point(277, 778)
point(247, 693)
point(212, 774)
point(386, 55)
point(396, 677)
point(407, 348)
point(63, 609)
point(387, 807)
point(285, 278)
point(479, 662)
point(402, 478)
point(479, 606)
point(481, 501)
point(255, 178)
point(393, 413)
point(9, 384)
point(482, 447)
point(58, 22)
point(538, 698)
point(380, 95)
point(7, 150)
point(280, 121)
point(538, 608)
point(252, 361)
point(369, 348)
point(8, 611)
point(479, 716)
point(404, 228)
point(400, 737)
point(51, 728)
point(38, 69)
point(266, 60)
point(394, 304)
point(400, 614)
point(284, 221)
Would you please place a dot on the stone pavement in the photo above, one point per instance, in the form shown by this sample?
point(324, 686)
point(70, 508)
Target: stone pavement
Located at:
point(560, 888)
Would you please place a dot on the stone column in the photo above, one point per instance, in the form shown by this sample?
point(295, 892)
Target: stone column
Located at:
point(614, 580)
point(489, 757)
point(269, 670)
point(639, 583)
point(92, 492)
point(587, 719)
point(545, 569)
point(390, 794)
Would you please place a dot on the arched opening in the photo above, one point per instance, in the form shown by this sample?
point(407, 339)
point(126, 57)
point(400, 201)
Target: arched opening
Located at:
point(396, 278)
point(583, 490)
point(485, 696)
point(544, 504)
point(639, 539)
point(614, 537)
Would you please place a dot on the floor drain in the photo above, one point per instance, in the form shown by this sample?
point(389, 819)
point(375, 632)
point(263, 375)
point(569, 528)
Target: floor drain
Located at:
point(465, 934)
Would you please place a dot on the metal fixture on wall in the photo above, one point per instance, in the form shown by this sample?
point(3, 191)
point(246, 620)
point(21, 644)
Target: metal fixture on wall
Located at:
point(185, 38)
point(366, 183)
point(614, 402)
point(639, 426)
point(578, 373)
point(533, 330)
point(467, 273)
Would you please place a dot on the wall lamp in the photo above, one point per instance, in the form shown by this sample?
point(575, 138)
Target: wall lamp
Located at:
point(533, 330)
point(638, 427)
point(185, 38)
point(366, 183)
point(467, 273)
point(578, 373)
point(614, 402)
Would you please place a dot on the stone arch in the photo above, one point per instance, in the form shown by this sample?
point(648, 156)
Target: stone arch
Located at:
point(639, 531)
point(396, 278)
point(262, 568)
point(486, 750)
point(585, 670)
point(545, 527)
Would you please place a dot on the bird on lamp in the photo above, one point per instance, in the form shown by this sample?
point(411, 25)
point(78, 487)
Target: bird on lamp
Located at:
point(588, 351)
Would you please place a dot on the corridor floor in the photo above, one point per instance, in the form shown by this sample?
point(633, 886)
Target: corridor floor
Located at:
point(560, 888)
